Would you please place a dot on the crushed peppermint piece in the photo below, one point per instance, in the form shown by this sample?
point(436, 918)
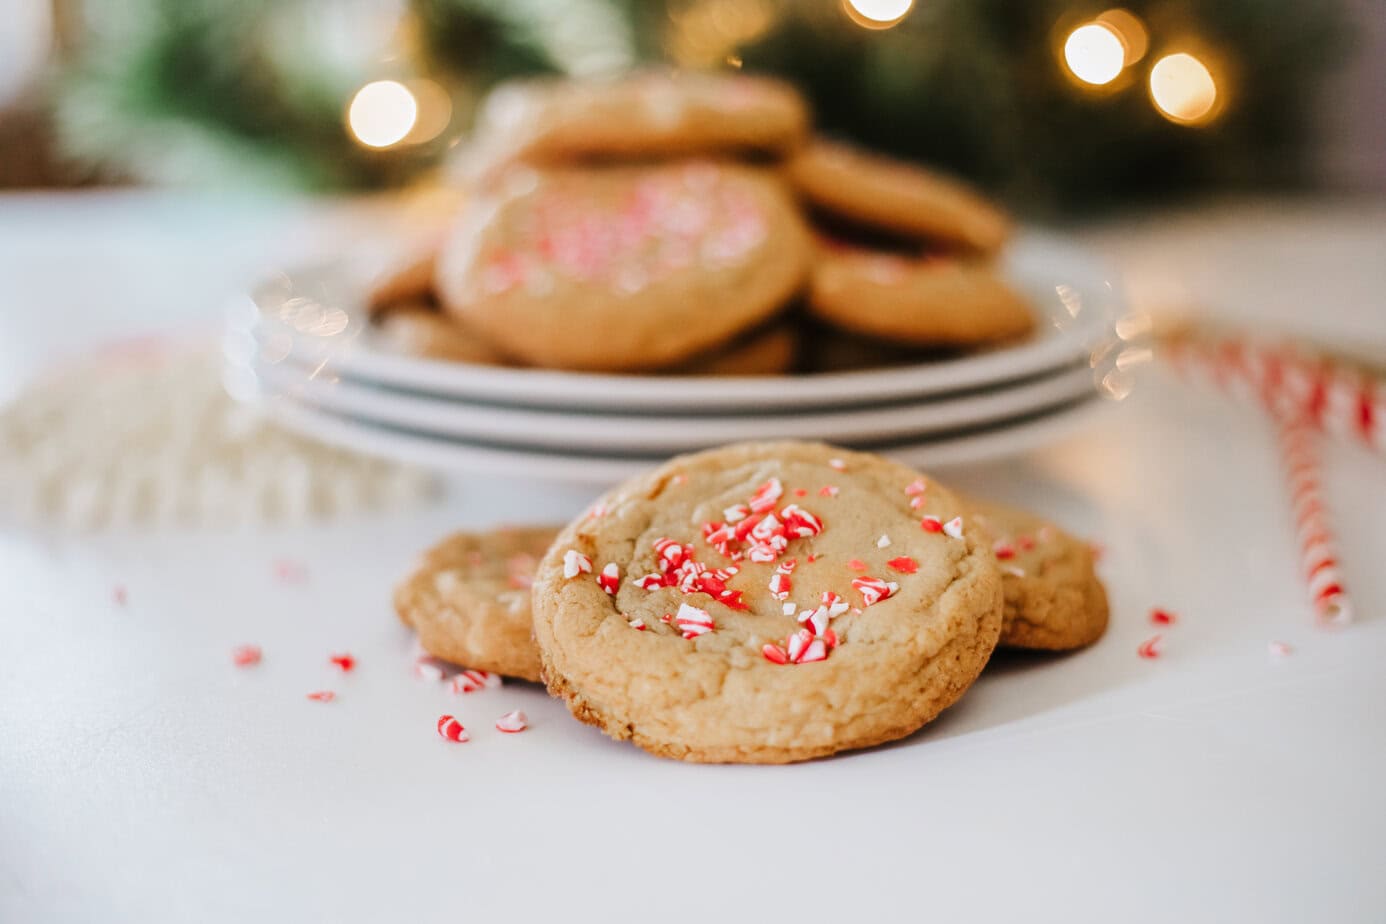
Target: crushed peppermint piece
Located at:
point(119, 595)
point(667, 617)
point(469, 681)
point(828, 490)
point(931, 524)
point(917, 502)
point(774, 653)
point(681, 478)
point(874, 590)
point(636, 623)
point(790, 608)
point(429, 668)
point(954, 527)
point(766, 496)
point(916, 487)
point(452, 730)
point(575, 563)
point(883, 542)
point(512, 722)
point(322, 696)
point(814, 557)
point(343, 662)
point(837, 464)
point(1279, 649)
point(1161, 617)
point(1002, 549)
point(1013, 571)
point(610, 578)
point(693, 622)
point(801, 492)
point(1151, 647)
point(1025, 542)
point(245, 655)
point(856, 564)
point(904, 564)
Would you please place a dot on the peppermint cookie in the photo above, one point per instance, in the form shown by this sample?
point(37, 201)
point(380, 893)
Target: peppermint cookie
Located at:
point(766, 603)
point(771, 351)
point(468, 599)
point(420, 330)
point(643, 115)
point(1054, 600)
point(623, 268)
point(406, 281)
point(894, 196)
point(916, 300)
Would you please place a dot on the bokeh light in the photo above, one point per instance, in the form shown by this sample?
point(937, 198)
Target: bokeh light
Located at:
point(1183, 89)
point(382, 113)
point(434, 111)
point(877, 14)
point(1094, 53)
point(1130, 30)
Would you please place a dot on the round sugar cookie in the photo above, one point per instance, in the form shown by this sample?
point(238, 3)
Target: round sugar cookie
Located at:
point(766, 603)
point(420, 330)
point(623, 268)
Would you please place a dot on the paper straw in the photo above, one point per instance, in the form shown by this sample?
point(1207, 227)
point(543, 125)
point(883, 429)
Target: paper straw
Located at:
point(1317, 545)
point(1329, 396)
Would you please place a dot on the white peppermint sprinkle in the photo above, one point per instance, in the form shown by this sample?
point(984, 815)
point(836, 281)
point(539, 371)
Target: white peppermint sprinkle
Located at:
point(837, 464)
point(883, 542)
point(790, 609)
point(575, 563)
point(954, 527)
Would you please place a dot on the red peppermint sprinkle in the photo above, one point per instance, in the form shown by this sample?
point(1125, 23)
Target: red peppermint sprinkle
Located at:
point(469, 681)
point(119, 595)
point(774, 654)
point(245, 655)
point(512, 722)
point(828, 490)
point(637, 623)
point(830, 638)
point(931, 524)
point(1026, 543)
point(667, 617)
point(343, 662)
point(800, 492)
point(610, 578)
point(856, 564)
point(799, 523)
point(814, 557)
point(766, 496)
point(904, 564)
point(452, 730)
point(916, 487)
point(798, 643)
point(1003, 550)
point(1161, 617)
point(1151, 647)
point(322, 696)
point(575, 563)
point(693, 622)
point(780, 585)
point(874, 590)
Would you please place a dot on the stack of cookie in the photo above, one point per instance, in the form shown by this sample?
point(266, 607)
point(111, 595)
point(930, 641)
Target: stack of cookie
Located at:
point(661, 223)
point(759, 603)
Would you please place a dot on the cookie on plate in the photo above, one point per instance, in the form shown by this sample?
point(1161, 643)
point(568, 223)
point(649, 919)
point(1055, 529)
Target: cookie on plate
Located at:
point(407, 281)
point(642, 115)
point(420, 330)
point(1054, 600)
point(468, 599)
point(902, 198)
point(766, 603)
point(623, 268)
point(922, 301)
point(771, 351)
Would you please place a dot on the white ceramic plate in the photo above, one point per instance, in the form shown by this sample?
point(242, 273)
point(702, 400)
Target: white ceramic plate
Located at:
point(316, 318)
point(974, 445)
point(609, 432)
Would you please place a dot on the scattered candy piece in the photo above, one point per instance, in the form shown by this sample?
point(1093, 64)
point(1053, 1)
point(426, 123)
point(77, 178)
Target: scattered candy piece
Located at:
point(828, 490)
point(469, 681)
point(904, 564)
point(801, 492)
point(452, 729)
point(883, 542)
point(344, 662)
point(790, 608)
point(931, 524)
point(1279, 649)
point(1162, 617)
point(954, 527)
point(916, 502)
point(1151, 647)
point(245, 655)
point(575, 563)
point(856, 564)
point(119, 595)
point(916, 487)
point(814, 557)
point(637, 623)
point(874, 590)
point(610, 578)
point(429, 668)
point(512, 722)
point(774, 653)
point(322, 696)
point(1002, 549)
point(693, 622)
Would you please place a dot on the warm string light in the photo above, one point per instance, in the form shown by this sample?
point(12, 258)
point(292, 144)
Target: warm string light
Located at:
point(1182, 87)
point(382, 113)
point(877, 14)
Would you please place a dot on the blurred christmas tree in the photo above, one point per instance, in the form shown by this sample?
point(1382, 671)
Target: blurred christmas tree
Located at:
point(1054, 105)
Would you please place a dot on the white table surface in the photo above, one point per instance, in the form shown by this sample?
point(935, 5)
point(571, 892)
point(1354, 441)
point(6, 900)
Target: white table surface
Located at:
point(143, 778)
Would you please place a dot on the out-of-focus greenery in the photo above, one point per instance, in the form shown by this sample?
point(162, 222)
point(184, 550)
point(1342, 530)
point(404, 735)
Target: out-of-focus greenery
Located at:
point(254, 91)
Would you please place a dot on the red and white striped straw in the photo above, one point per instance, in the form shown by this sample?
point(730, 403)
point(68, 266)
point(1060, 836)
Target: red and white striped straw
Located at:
point(1332, 397)
point(1317, 546)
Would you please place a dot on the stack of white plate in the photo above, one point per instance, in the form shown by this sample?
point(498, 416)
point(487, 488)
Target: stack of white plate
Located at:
point(301, 346)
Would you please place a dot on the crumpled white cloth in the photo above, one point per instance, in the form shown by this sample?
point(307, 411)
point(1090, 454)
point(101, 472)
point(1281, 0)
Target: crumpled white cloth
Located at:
point(143, 433)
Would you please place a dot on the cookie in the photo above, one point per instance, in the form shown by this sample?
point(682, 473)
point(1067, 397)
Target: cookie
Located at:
point(468, 599)
point(623, 268)
point(933, 301)
point(771, 351)
point(902, 198)
point(766, 603)
point(644, 115)
point(406, 281)
point(420, 330)
point(1054, 600)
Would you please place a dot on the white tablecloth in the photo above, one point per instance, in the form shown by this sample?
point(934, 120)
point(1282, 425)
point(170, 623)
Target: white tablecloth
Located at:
point(143, 778)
